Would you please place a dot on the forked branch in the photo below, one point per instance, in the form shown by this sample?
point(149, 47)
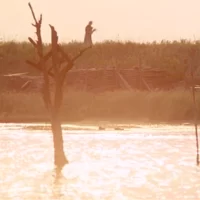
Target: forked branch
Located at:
point(37, 25)
point(41, 65)
point(80, 53)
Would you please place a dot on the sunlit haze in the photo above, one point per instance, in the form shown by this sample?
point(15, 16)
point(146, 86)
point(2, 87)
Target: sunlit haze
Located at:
point(138, 20)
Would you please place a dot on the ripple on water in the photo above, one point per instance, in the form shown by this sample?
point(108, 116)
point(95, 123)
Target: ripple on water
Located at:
point(155, 163)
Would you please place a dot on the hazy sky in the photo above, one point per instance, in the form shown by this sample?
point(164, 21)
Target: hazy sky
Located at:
point(139, 20)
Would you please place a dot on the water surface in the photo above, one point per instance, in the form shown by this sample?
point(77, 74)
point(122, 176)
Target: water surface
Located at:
point(148, 162)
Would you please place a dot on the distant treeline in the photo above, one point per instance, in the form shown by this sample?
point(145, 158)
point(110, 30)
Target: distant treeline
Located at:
point(173, 56)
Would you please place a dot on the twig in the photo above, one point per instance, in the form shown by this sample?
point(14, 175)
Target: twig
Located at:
point(38, 67)
point(65, 55)
point(32, 42)
point(33, 14)
point(80, 53)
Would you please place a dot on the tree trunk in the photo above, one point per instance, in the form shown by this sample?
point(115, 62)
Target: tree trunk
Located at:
point(59, 156)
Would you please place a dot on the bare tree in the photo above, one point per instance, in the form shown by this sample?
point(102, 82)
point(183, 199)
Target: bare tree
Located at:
point(60, 64)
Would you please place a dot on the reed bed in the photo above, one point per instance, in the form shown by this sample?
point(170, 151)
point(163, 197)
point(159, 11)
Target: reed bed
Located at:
point(169, 55)
point(158, 106)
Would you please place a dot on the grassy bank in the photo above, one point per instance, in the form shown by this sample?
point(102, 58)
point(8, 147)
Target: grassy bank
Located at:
point(172, 56)
point(118, 106)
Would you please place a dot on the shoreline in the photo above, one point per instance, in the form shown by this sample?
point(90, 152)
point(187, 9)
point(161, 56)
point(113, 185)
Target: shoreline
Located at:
point(172, 107)
point(93, 126)
point(94, 122)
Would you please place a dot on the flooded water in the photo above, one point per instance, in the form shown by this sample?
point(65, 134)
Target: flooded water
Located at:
point(147, 162)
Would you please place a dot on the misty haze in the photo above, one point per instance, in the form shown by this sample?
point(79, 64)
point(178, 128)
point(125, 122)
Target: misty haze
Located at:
point(99, 100)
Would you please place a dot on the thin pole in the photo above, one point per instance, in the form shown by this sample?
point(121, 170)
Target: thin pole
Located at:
point(195, 114)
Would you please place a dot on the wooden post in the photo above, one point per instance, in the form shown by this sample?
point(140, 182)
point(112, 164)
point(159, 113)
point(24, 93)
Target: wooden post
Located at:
point(192, 54)
point(124, 81)
point(141, 77)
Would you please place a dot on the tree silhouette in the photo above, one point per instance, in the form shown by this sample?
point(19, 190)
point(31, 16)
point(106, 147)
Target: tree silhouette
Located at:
point(55, 72)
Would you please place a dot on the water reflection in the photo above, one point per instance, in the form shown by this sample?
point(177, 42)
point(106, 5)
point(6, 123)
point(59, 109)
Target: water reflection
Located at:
point(57, 184)
point(140, 163)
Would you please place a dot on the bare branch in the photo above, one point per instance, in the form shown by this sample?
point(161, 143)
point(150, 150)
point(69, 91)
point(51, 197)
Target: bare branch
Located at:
point(48, 55)
point(33, 14)
point(32, 42)
point(40, 20)
point(54, 43)
point(37, 66)
point(60, 62)
point(80, 53)
point(33, 64)
point(67, 68)
point(37, 25)
point(65, 55)
point(54, 36)
point(64, 70)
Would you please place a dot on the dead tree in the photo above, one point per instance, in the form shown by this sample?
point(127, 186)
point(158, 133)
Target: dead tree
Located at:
point(60, 64)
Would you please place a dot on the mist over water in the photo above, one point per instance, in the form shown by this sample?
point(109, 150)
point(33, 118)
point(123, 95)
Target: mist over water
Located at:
point(145, 162)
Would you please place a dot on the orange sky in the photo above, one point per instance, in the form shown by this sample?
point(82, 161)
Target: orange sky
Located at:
point(139, 20)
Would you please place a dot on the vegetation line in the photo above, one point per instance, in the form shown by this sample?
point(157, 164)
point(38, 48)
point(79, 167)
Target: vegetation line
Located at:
point(160, 106)
point(166, 55)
